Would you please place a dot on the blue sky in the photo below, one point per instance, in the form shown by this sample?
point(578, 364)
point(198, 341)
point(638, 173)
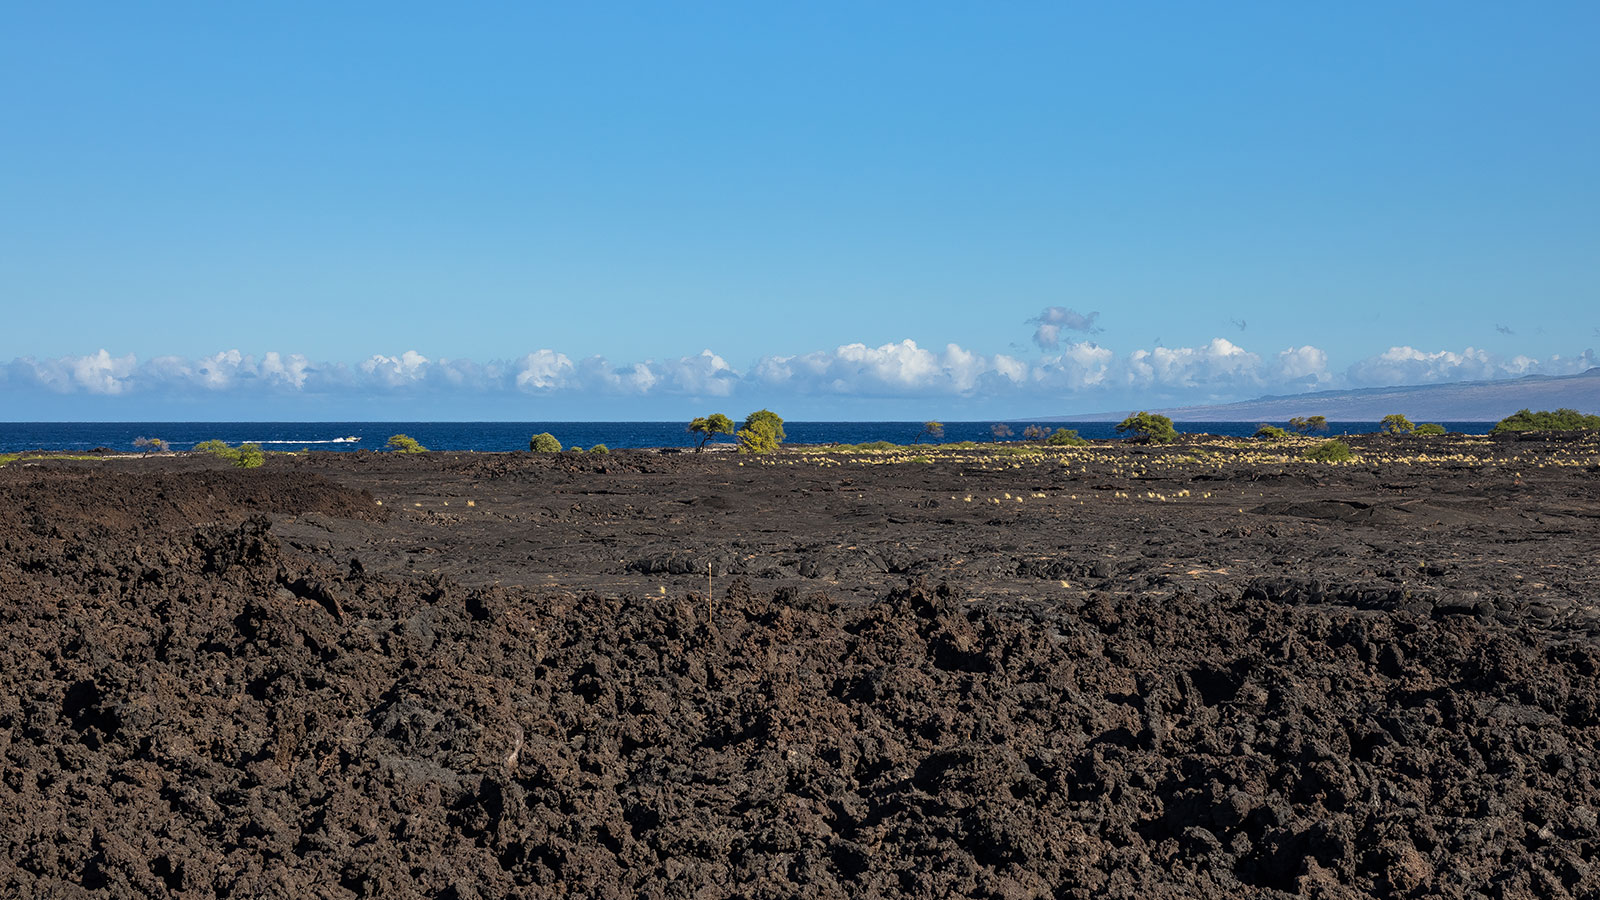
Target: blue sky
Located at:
point(887, 210)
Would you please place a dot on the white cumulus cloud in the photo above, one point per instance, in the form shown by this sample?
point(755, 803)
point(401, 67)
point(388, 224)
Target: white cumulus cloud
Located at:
point(1219, 362)
point(901, 368)
point(1301, 366)
point(1408, 365)
point(704, 374)
point(393, 371)
point(1078, 366)
point(288, 371)
point(94, 373)
point(543, 371)
point(1081, 375)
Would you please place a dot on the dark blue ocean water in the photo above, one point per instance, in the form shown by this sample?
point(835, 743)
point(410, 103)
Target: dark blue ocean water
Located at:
point(489, 436)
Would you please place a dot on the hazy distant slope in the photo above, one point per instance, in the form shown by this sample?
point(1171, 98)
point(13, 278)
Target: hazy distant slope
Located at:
point(1462, 401)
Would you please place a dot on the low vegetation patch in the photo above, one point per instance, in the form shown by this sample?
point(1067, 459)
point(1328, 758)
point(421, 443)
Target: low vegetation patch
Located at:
point(219, 449)
point(544, 442)
point(1329, 452)
point(1148, 428)
point(401, 443)
point(1544, 420)
point(245, 456)
point(869, 447)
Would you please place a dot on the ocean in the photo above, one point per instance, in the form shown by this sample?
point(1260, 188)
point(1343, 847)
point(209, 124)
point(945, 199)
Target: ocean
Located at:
point(500, 436)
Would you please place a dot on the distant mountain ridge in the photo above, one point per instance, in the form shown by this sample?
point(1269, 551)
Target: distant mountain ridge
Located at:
point(1461, 401)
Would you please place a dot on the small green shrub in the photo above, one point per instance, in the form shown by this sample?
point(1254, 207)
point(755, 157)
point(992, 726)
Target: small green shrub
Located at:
point(1544, 420)
point(150, 444)
point(219, 449)
point(1329, 452)
point(574, 449)
point(1065, 437)
point(1429, 428)
point(544, 442)
point(1149, 428)
point(249, 456)
point(599, 448)
point(1395, 423)
point(401, 443)
point(1271, 433)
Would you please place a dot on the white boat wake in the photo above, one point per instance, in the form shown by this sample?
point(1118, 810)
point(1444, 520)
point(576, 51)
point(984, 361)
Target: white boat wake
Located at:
point(343, 440)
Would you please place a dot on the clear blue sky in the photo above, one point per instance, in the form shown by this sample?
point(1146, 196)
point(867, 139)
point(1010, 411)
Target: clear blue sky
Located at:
point(556, 208)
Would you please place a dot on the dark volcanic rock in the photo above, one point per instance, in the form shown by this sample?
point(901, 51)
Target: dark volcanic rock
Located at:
point(199, 697)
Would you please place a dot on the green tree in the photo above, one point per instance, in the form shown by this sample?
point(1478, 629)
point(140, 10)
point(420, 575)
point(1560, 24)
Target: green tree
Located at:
point(710, 426)
point(759, 437)
point(933, 431)
point(1429, 428)
point(1308, 424)
point(599, 448)
point(1271, 433)
point(1394, 423)
point(544, 442)
point(401, 443)
point(1149, 428)
point(771, 418)
point(1065, 437)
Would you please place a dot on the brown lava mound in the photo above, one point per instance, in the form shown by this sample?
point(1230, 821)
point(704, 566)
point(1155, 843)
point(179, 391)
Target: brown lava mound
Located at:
point(1201, 671)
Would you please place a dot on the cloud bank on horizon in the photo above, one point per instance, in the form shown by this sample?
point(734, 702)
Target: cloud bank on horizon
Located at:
point(942, 211)
point(1073, 377)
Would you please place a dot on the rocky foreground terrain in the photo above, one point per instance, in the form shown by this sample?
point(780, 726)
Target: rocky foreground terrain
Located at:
point(1205, 670)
